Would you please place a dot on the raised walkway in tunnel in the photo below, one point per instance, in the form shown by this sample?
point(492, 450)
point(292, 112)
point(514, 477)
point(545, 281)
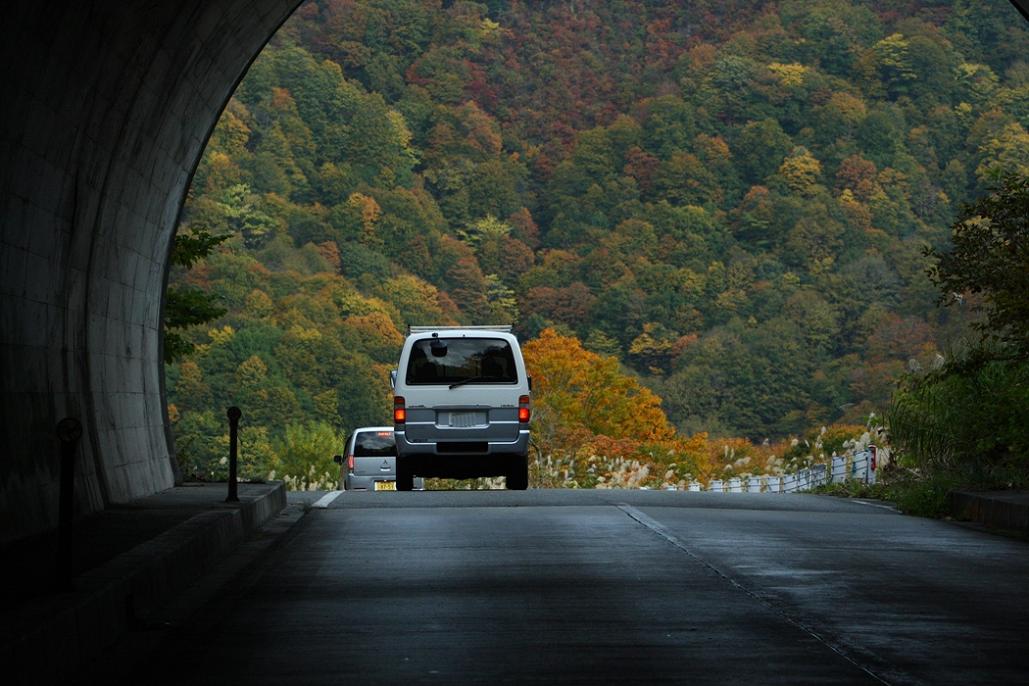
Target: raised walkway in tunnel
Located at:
point(127, 560)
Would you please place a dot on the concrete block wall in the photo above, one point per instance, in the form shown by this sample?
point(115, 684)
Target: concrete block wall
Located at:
point(106, 110)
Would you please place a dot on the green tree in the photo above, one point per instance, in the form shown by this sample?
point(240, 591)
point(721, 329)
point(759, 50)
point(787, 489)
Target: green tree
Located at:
point(989, 256)
point(304, 456)
point(760, 149)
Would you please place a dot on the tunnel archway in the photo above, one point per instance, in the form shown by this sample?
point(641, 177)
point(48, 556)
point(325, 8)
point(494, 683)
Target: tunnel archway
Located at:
point(107, 109)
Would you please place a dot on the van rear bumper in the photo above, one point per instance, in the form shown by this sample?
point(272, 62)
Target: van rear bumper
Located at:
point(490, 458)
point(461, 450)
point(352, 482)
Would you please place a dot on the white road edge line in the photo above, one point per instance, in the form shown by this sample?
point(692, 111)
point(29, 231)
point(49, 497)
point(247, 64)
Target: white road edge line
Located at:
point(664, 533)
point(881, 506)
point(326, 499)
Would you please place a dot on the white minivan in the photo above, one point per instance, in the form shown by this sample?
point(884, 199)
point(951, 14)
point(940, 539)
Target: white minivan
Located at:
point(461, 405)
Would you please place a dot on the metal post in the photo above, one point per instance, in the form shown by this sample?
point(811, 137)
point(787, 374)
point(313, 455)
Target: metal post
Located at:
point(234, 415)
point(69, 431)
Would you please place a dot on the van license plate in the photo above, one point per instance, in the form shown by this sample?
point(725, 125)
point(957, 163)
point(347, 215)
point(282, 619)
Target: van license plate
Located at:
point(466, 419)
point(385, 485)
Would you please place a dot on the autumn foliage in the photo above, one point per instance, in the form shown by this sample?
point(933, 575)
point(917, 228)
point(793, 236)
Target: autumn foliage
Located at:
point(725, 202)
point(589, 394)
point(594, 424)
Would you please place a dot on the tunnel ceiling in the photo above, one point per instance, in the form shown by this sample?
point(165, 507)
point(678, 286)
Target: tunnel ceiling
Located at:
point(106, 109)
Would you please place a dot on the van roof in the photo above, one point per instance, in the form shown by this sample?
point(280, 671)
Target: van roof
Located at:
point(463, 333)
point(366, 429)
point(502, 328)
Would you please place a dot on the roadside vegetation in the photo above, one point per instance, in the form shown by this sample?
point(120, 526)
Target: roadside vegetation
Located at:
point(965, 422)
point(707, 221)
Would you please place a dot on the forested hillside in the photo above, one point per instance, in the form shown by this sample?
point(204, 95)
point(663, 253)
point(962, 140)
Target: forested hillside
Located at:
point(731, 198)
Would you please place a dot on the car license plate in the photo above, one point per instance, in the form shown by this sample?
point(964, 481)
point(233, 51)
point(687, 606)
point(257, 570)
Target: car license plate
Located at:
point(385, 485)
point(466, 419)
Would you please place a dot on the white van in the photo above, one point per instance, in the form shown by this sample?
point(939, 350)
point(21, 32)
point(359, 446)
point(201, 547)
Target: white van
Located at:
point(461, 405)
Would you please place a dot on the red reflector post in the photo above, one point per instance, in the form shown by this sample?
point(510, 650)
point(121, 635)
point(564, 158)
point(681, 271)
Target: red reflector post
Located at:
point(399, 411)
point(523, 409)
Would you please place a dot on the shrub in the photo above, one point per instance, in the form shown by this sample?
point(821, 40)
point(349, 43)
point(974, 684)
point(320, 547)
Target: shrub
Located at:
point(970, 421)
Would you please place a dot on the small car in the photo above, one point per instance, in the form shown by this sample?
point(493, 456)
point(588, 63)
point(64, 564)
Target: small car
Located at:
point(461, 405)
point(369, 462)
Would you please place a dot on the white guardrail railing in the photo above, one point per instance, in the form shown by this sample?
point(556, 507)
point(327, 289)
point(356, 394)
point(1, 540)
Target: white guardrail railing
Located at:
point(860, 466)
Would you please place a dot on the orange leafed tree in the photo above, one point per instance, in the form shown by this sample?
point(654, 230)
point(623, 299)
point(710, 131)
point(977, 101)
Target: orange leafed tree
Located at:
point(577, 390)
point(596, 419)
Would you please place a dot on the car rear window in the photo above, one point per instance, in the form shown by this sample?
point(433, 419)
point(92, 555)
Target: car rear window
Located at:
point(375, 444)
point(449, 360)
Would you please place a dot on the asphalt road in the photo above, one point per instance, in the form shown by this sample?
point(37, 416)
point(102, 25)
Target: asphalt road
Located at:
point(591, 587)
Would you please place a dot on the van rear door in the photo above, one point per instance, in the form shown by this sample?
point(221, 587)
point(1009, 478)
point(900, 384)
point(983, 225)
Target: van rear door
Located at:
point(464, 389)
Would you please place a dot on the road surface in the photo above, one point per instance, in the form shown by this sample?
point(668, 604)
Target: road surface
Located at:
point(593, 587)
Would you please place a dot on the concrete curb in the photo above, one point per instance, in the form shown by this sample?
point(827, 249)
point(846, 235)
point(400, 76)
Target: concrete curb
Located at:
point(997, 510)
point(48, 641)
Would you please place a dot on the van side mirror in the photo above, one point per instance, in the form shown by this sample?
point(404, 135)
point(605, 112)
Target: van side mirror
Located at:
point(529, 378)
point(393, 378)
point(338, 459)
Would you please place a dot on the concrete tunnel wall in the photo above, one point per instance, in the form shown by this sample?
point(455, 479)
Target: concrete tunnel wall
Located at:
point(105, 108)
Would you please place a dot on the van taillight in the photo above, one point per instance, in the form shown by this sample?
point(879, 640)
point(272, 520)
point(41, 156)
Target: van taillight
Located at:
point(350, 462)
point(399, 411)
point(523, 409)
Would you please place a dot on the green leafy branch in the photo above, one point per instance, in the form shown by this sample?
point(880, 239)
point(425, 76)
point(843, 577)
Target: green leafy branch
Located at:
point(186, 306)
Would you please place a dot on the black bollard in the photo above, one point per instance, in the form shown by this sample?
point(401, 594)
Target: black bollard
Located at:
point(234, 415)
point(69, 431)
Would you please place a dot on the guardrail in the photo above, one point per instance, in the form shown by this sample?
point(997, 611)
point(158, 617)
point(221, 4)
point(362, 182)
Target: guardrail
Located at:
point(860, 466)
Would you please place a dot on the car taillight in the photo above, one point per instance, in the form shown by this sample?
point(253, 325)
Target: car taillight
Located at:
point(399, 411)
point(523, 409)
point(350, 462)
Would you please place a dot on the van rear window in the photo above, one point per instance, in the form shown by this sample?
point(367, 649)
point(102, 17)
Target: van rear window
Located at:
point(449, 360)
point(375, 444)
